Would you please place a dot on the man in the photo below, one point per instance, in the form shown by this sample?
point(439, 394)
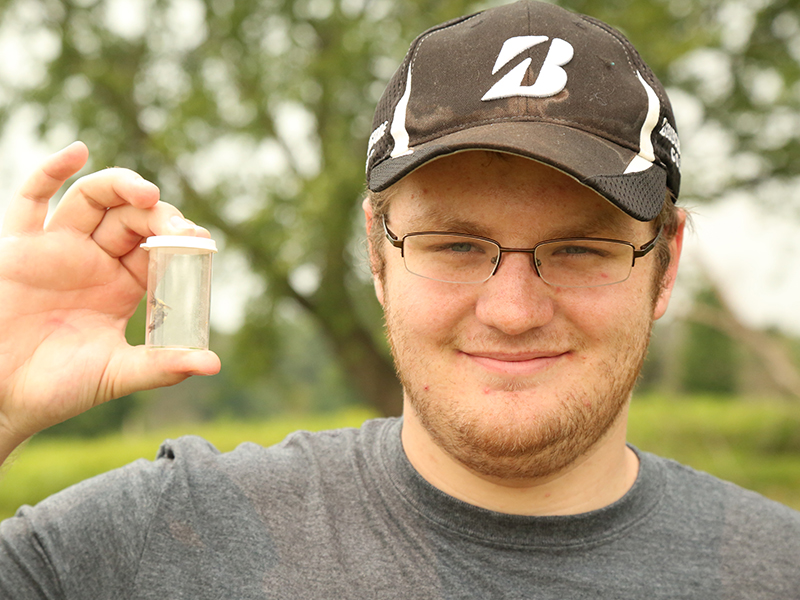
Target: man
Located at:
point(523, 239)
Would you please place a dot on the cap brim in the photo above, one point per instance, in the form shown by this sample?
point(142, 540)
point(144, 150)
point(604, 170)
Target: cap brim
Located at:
point(593, 161)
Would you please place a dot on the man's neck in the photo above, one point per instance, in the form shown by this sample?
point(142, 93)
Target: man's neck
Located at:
point(598, 478)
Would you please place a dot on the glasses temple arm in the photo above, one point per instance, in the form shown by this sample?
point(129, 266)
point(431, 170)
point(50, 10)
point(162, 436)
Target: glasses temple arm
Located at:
point(393, 239)
point(648, 246)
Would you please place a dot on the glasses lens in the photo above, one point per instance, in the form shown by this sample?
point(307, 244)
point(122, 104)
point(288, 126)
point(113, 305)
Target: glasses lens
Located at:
point(451, 258)
point(584, 263)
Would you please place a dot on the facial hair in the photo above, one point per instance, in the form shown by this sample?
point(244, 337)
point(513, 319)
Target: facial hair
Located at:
point(509, 438)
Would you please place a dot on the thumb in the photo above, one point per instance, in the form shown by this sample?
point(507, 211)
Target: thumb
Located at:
point(142, 368)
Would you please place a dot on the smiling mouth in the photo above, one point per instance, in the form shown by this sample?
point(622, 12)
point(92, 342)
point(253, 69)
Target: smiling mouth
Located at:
point(516, 364)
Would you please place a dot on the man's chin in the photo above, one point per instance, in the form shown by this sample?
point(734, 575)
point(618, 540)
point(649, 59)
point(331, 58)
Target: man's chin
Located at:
point(520, 459)
point(517, 385)
point(520, 429)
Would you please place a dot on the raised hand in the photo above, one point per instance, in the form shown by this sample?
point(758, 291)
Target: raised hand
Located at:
point(67, 290)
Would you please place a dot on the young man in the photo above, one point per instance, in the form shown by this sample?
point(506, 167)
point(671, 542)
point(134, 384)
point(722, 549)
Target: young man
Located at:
point(522, 248)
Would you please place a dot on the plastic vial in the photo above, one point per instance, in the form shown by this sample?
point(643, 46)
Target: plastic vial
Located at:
point(178, 291)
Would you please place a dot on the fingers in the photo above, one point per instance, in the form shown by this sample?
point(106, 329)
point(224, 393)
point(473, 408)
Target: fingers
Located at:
point(123, 227)
point(116, 206)
point(85, 203)
point(122, 230)
point(28, 208)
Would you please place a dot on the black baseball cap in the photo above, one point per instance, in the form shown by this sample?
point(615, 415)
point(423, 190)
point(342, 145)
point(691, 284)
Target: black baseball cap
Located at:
point(539, 81)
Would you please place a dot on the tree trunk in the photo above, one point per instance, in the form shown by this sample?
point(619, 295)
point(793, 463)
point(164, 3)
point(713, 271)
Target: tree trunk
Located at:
point(772, 354)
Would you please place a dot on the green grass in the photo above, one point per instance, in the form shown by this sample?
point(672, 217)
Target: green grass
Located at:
point(754, 444)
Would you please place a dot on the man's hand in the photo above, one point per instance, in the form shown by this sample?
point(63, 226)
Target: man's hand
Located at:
point(67, 290)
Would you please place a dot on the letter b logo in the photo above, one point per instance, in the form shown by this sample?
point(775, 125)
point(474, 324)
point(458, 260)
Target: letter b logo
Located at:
point(551, 80)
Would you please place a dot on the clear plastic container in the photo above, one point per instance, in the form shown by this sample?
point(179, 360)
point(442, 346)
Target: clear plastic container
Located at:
point(178, 291)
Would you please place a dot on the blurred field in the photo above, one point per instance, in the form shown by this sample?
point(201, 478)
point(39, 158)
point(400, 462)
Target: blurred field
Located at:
point(754, 444)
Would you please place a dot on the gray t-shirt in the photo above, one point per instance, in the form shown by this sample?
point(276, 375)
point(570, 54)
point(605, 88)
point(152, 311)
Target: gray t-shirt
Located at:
point(343, 514)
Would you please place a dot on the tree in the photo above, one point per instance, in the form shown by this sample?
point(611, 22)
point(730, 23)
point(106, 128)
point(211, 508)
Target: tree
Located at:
point(253, 117)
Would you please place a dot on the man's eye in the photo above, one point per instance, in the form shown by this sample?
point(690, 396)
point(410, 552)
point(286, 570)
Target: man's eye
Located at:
point(579, 251)
point(461, 247)
point(451, 247)
point(574, 250)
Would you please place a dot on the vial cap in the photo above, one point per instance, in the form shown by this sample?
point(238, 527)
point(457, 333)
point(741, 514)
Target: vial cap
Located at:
point(180, 241)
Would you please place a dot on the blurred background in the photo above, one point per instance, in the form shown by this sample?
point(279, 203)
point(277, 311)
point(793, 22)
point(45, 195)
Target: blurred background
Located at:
point(253, 116)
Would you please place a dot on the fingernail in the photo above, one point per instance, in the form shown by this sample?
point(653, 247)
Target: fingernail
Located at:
point(144, 184)
point(180, 223)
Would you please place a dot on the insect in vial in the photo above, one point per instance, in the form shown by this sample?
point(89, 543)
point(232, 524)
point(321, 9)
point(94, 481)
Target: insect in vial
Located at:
point(158, 313)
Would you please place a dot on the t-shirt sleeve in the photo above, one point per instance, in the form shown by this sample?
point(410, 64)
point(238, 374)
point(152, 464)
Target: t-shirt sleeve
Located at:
point(84, 542)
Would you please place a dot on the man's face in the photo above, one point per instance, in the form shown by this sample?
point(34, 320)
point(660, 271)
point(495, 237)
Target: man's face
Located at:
point(513, 377)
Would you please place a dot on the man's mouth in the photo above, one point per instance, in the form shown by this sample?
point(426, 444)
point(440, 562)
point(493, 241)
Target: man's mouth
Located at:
point(516, 363)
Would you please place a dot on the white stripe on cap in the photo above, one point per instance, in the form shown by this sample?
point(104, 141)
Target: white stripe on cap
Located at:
point(646, 156)
point(398, 130)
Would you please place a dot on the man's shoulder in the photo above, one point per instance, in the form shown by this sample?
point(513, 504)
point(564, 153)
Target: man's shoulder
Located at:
point(189, 472)
point(323, 468)
point(718, 534)
point(703, 494)
point(299, 452)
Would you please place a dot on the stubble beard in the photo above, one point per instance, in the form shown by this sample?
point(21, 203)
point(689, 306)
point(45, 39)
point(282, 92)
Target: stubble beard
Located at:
point(506, 439)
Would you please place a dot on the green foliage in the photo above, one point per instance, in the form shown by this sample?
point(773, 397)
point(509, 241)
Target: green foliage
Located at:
point(253, 116)
point(753, 443)
point(710, 359)
point(710, 364)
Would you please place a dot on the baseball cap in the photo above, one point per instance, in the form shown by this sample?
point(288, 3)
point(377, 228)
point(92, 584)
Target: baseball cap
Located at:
point(539, 81)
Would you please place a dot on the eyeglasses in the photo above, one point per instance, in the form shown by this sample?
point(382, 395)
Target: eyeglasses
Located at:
point(568, 262)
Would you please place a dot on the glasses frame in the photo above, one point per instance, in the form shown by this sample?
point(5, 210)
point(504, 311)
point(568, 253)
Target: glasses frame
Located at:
point(398, 242)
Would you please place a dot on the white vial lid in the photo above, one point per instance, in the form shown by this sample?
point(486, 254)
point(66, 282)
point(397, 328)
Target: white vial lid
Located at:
point(180, 241)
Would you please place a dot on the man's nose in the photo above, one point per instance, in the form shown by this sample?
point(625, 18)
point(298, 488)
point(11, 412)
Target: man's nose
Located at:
point(515, 299)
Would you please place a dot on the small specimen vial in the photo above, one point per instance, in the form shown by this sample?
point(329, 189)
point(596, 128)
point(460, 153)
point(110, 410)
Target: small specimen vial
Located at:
point(178, 291)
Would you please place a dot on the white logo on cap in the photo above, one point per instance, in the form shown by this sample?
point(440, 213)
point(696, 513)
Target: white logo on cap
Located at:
point(668, 132)
point(375, 138)
point(551, 79)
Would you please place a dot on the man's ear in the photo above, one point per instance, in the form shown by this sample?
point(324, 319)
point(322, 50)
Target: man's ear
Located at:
point(374, 261)
point(675, 248)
